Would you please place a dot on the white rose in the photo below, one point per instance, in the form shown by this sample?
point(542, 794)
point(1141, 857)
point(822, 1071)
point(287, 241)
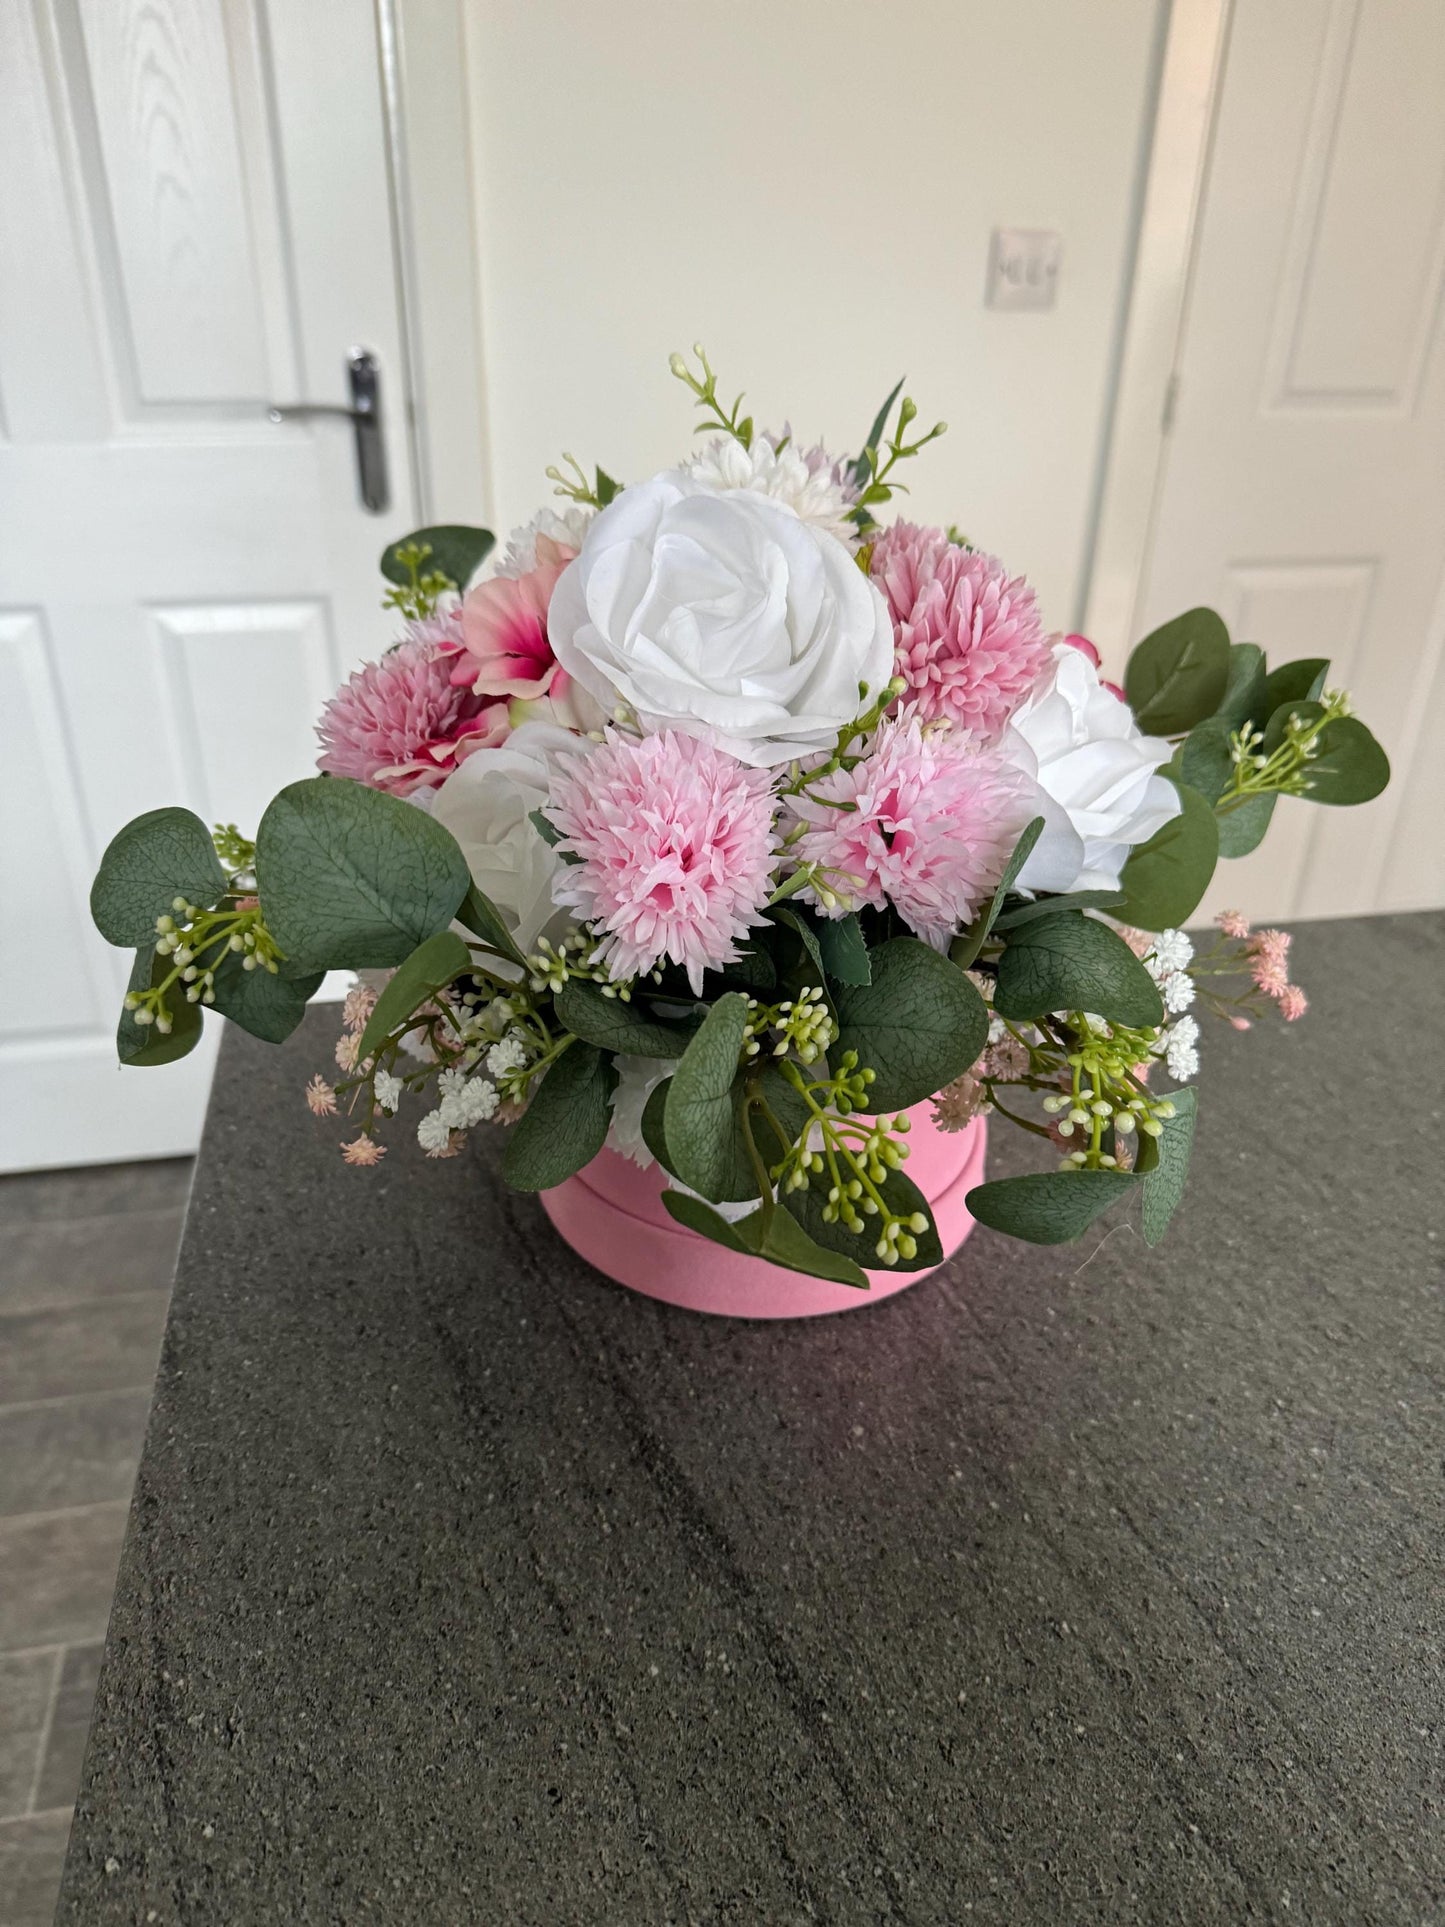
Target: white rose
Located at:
point(487, 803)
point(721, 615)
point(1095, 770)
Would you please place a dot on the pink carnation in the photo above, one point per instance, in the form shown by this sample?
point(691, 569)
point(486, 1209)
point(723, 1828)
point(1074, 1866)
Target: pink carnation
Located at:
point(969, 641)
point(674, 846)
point(399, 724)
point(932, 822)
point(505, 650)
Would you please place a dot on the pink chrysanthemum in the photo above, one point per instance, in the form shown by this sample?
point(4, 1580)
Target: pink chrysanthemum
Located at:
point(969, 641)
point(1234, 923)
point(399, 724)
point(1293, 1003)
point(930, 825)
point(674, 846)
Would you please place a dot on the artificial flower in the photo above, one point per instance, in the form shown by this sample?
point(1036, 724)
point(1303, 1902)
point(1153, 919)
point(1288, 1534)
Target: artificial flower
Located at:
point(363, 1150)
point(808, 482)
point(672, 846)
point(1095, 776)
point(926, 821)
point(637, 1079)
point(400, 724)
point(504, 630)
point(724, 616)
point(969, 641)
point(564, 527)
point(487, 805)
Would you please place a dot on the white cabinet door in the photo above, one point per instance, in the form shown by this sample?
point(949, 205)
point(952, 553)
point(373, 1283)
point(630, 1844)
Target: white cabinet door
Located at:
point(194, 223)
point(1304, 493)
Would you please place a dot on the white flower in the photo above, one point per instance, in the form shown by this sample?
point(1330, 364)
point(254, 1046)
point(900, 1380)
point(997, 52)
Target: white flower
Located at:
point(470, 1103)
point(1172, 951)
point(1180, 1053)
point(1098, 791)
point(388, 1090)
point(509, 1055)
point(637, 1079)
point(1177, 990)
point(487, 804)
point(724, 616)
point(433, 1133)
point(807, 485)
point(567, 526)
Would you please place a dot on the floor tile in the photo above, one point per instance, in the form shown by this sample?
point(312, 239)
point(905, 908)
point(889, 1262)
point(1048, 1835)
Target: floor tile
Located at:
point(27, 1687)
point(109, 1346)
point(32, 1854)
point(52, 1263)
point(57, 1574)
point(69, 1727)
point(74, 1451)
point(94, 1190)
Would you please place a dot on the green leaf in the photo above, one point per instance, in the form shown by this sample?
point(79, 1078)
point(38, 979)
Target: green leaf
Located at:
point(858, 468)
point(457, 552)
point(964, 949)
point(1050, 906)
point(1165, 878)
point(900, 1194)
point(919, 1024)
point(565, 1124)
point(613, 1025)
point(545, 827)
point(141, 1044)
point(653, 1134)
point(754, 969)
point(779, 1238)
point(1177, 676)
point(700, 1217)
point(1243, 829)
point(1244, 698)
point(350, 879)
point(430, 968)
point(698, 1119)
point(482, 917)
point(1292, 682)
point(1206, 761)
point(156, 858)
point(1349, 766)
point(1164, 1181)
point(785, 913)
point(845, 954)
point(1047, 1207)
point(1279, 719)
point(266, 1006)
point(605, 488)
point(1074, 962)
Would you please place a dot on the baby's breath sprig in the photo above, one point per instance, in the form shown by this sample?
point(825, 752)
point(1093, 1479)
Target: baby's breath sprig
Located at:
point(199, 941)
point(577, 956)
point(802, 1025)
point(418, 596)
point(1284, 770)
point(730, 421)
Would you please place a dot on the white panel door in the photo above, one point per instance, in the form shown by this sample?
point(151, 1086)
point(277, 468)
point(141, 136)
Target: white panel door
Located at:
point(1304, 491)
point(194, 222)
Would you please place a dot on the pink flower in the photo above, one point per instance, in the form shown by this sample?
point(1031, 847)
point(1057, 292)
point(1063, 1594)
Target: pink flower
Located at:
point(674, 846)
point(1269, 976)
point(931, 823)
point(958, 1103)
point(1272, 946)
point(505, 651)
point(359, 1004)
point(399, 725)
point(1293, 1003)
point(363, 1150)
point(1234, 923)
point(320, 1098)
point(1084, 646)
point(969, 642)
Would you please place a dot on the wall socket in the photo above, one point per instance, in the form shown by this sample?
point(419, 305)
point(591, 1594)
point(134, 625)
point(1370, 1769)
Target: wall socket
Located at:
point(1023, 267)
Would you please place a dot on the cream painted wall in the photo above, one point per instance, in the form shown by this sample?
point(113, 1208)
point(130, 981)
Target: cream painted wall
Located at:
point(809, 187)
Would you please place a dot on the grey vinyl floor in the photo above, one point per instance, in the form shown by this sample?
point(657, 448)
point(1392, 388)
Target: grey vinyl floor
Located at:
point(86, 1259)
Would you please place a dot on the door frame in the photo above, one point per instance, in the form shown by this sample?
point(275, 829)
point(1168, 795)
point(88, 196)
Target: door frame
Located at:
point(1137, 436)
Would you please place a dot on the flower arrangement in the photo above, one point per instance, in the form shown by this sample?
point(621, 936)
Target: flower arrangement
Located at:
point(723, 825)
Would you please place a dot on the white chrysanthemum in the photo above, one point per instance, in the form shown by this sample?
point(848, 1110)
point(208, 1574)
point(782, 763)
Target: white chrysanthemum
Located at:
point(637, 1079)
point(388, 1090)
point(1173, 950)
point(1181, 1054)
point(810, 489)
point(567, 526)
point(1177, 991)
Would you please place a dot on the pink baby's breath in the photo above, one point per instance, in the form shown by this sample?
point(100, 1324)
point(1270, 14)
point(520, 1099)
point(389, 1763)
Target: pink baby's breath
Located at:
point(1293, 1003)
point(320, 1097)
point(969, 641)
point(674, 846)
point(930, 823)
point(1234, 923)
point(363, 1150)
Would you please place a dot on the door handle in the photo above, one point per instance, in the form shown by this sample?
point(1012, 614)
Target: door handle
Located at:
point(363, 380)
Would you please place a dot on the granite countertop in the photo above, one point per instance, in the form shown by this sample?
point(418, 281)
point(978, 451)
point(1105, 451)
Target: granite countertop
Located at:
point(1092, 1584)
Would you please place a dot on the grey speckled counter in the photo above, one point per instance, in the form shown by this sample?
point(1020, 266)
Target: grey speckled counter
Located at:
point(1097, 1585)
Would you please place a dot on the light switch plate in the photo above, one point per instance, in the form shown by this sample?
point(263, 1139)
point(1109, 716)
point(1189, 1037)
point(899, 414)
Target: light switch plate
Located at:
point(1023, 267)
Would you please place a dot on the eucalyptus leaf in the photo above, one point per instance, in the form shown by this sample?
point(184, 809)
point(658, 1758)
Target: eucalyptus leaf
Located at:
point(1164, 1181)
point(1244, 692)
point(1206, 761)
point(481, 916)
point(1047, 1207)
point(565, 1123)
point(430, 968)
point(615, 1026)
point(142, 1045)
point(545, 827)
point(1165, 878)
point(1299, 709)
point(156, 858)
point(266, 1006)
point(845, 954)
point(457, 552)
point(696, 1214)
point(1349, 765)
point(653, 1133)
point(1050, 906)
point(775, 1236)
point(699, 1115)
point(901, 1195)
point(1178, 675)
point(919, 1024)
point(965, 947)
point(605, 488)
point(1242, 828)
point(1074, 962)
point(350, 879)
point(1293, 682)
